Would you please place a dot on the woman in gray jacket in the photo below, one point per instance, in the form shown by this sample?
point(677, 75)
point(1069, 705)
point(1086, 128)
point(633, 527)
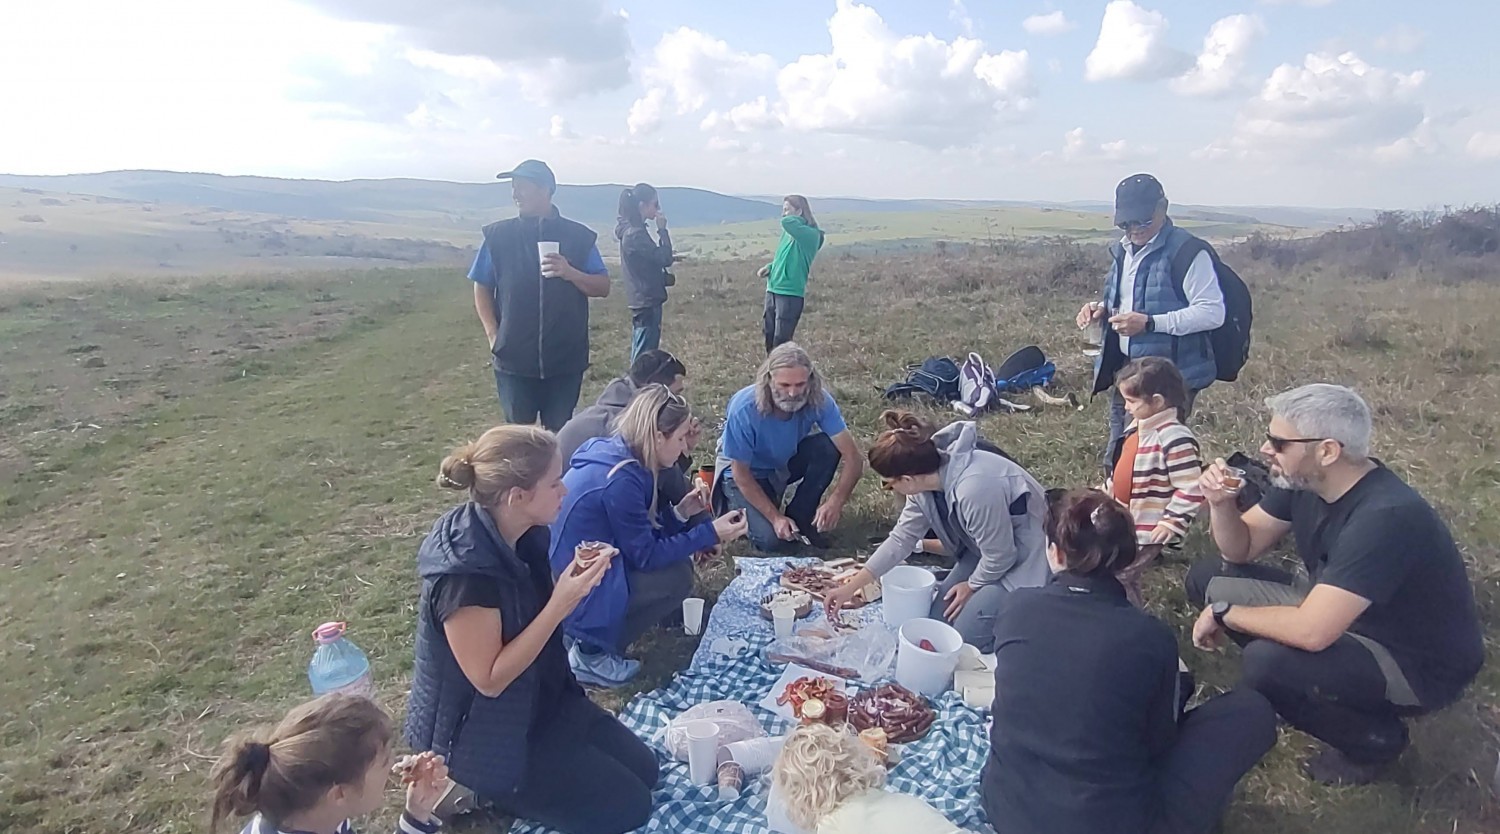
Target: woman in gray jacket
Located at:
point(645, 263)
point(987, 512)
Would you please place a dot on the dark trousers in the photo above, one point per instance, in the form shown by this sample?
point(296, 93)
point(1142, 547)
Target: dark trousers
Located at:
point(780, 319)
point(527, 400)
point(1217, 744)
point(812, 470)
point(585, 774)
point(654, 596)
point(645, 324)
point(1351, 695)
point(1119, 420)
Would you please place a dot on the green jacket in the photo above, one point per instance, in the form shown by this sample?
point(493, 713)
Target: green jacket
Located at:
point(800, 243)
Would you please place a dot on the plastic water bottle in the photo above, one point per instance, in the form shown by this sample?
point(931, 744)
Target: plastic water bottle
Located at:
point(338, 665)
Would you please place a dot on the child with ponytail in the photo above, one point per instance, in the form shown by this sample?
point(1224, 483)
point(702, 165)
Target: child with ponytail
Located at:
point(325, 763)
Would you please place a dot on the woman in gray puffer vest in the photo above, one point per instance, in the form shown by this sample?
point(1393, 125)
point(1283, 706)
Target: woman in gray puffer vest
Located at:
point(645, 263)
point(988, 513)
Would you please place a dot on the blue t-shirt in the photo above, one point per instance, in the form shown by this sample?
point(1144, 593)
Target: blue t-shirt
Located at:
point(768, 442)
point(483, 270)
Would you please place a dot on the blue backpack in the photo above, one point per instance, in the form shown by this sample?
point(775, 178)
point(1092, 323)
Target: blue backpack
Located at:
point(1024, 370)
point(936, 377)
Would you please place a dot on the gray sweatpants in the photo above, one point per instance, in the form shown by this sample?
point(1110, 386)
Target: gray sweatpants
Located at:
point(976, 622)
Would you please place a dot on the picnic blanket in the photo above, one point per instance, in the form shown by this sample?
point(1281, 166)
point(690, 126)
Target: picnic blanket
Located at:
point(942, 768)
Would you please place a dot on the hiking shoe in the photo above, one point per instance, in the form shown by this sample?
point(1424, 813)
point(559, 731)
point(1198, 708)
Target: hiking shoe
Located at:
point(1330, 767)
point(603, 670)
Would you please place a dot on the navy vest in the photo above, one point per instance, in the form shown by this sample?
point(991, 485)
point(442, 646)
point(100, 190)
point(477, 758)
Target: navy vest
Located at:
point(544, 322)
point(1156, 292)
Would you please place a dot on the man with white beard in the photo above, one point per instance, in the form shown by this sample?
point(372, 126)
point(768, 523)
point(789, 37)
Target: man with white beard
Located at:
point(1383, 626)
point(782, 432)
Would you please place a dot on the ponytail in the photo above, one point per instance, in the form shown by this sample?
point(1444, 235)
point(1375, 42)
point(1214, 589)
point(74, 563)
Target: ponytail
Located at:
point(631, 200)
point(1092, 532)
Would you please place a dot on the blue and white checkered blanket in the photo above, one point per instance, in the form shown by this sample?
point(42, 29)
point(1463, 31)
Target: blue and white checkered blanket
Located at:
point(942, 768)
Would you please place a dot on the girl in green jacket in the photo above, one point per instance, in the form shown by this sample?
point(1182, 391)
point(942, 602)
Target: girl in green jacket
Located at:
point(786, 276)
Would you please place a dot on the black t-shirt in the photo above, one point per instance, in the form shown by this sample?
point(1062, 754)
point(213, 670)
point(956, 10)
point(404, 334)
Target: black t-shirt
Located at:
point(1383, 542)
point(450, 593)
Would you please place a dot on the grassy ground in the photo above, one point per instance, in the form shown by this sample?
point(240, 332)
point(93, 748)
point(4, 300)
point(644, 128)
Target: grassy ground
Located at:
point(174, 521)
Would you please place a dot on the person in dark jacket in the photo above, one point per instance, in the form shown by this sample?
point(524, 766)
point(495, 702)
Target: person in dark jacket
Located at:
point(491, 690)
point(1089, 733)
point(535, 308)
point(1152, 305)
point(613, 497)
point(645, 264)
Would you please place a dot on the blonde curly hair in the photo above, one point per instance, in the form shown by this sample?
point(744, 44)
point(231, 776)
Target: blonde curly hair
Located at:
point(819, 769)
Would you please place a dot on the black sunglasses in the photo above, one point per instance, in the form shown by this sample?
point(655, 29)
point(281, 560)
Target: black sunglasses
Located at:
point(1130, 225)
point(1279, 444)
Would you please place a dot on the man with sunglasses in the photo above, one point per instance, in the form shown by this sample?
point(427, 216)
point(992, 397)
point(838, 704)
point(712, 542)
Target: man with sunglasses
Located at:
point(1382, 627)
point(1154, 304)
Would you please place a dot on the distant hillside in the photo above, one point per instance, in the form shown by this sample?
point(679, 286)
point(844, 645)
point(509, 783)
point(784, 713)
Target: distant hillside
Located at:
point(460, 205)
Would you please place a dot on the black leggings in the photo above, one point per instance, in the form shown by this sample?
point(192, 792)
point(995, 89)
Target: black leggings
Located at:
point(1217, 744)
point(586, 774)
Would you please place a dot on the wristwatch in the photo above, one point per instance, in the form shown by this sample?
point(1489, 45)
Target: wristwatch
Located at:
point(1150, 324)
point(1220, 610)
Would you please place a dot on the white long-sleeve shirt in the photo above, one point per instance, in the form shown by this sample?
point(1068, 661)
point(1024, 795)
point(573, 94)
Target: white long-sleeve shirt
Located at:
point(1205, 310)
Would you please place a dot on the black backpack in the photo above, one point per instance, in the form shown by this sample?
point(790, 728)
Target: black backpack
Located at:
point(936, 377)
point(1231, 341)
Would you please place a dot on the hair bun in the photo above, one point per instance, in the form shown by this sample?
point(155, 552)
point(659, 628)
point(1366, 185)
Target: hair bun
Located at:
point(255, 757)
point(457, 470)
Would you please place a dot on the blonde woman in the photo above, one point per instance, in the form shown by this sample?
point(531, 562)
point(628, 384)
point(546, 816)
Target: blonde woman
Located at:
point(827, 781)
point(491, 691)
point(613, 498)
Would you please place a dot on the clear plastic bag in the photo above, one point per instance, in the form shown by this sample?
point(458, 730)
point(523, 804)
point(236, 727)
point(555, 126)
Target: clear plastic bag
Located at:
point(736, 723)
point(866, 653)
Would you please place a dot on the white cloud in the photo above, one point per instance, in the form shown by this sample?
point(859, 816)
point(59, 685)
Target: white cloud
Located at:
point(917, 89)
point(1312, 3)
point(959, 13)
point(1334, 99)
point(694, 66)
point(1078, 147)
point(561, 130)
point(1132, 46)
point(647, 112)
point(1402, 40)
point(1054, 23)
point(1485, 146)
point(1220, 66)
point(559, 49)
point(744, 118)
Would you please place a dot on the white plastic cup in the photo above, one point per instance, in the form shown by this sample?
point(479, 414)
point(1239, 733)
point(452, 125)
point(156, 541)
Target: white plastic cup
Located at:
point(692, 616)
point(703, 752)
point(545, 248)
point(755, 755)
point(783, 616)
point(906, 594)
point(927, 672)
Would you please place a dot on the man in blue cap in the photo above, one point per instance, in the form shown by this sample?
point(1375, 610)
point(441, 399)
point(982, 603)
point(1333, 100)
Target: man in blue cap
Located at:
point(533, 278)
point(1153, 304)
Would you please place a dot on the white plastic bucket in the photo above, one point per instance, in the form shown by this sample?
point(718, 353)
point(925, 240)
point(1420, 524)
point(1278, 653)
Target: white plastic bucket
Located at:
point(906, 594)
point(926, 672)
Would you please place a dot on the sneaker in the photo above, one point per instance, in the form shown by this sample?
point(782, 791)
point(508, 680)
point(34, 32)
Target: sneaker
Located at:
point(603, 670)
point(1330, 767)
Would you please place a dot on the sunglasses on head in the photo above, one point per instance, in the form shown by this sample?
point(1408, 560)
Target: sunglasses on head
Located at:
point(1279, 444)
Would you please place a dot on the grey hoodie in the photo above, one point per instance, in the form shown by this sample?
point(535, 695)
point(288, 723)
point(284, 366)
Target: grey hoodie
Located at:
point(598, 419)
point(996, 513)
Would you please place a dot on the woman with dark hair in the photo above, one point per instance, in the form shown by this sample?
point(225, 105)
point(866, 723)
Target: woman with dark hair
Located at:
point(645, 263)
point(986, 510)
point(1089, 733)
point(786, 275)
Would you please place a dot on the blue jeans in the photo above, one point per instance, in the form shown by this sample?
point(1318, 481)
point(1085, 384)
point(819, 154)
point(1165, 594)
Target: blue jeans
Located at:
point(525, 400)
point(811, 470)
point(646, 335)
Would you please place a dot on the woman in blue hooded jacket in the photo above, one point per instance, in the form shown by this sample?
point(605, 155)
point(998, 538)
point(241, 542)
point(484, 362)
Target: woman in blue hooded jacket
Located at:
point(612, 498)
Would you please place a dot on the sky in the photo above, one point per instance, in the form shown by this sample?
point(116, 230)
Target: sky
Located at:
point(1369, 103)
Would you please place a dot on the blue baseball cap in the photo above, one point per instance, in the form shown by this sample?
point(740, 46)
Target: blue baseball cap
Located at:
point(534, 170)
point(1136, 199)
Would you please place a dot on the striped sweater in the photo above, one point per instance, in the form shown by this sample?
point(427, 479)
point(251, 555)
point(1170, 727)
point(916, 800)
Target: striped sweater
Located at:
point(1164, 480)
point(406, 825)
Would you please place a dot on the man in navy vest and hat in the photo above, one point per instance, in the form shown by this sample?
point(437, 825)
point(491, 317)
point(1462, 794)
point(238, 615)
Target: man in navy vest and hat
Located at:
point(1147, 310)
point(533, 278)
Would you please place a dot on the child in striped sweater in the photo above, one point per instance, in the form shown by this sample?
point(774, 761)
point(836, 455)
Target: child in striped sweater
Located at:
point(327, 761)
point(1154, 468)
